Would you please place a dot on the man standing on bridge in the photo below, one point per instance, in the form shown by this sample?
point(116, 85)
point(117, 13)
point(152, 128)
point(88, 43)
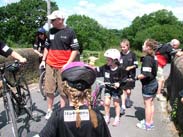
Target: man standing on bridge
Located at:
point(61, 49)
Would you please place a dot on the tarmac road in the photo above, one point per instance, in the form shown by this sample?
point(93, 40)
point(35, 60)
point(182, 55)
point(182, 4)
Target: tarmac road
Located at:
point(127, 127)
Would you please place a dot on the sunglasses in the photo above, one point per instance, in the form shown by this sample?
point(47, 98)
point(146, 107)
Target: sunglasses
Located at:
point(53, 20)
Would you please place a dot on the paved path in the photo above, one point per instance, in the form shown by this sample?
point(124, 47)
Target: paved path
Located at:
point(127, 127)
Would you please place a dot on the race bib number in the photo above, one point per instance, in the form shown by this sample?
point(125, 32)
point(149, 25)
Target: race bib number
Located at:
point(52, 37)
point(70, 115)
point(107, 75)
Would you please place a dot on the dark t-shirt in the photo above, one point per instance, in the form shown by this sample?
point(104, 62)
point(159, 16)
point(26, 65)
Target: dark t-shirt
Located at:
point(5, 50)
point(62, 124)
point(163, 54)
point(148, 69)
point(61, 44)
point(39, 44)
point(129, 59)
point(112, 76)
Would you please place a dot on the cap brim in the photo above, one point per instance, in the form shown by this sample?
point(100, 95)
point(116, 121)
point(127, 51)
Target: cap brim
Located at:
point(51, 17)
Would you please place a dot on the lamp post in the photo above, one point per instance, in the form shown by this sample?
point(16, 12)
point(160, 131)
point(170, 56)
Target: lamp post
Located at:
point(48, 13)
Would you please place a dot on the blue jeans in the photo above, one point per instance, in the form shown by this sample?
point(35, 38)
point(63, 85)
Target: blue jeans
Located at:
point(149, 90)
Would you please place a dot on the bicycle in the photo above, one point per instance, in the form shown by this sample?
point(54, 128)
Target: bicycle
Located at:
point(16, 95)
point(96, 94)
point(42, 85)
point(99, 86)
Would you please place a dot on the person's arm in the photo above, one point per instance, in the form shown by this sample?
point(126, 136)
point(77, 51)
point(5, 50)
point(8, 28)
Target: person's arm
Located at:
point(17, 56)
point(38, 53)
point(43, 62)
point(72, 57)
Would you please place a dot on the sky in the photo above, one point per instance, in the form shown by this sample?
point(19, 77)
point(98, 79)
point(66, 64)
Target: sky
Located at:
point(115, 14)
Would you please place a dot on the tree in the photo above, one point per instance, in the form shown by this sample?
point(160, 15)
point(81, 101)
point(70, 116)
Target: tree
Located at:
point(91, 35)
point(161, 25)
point(19, 21)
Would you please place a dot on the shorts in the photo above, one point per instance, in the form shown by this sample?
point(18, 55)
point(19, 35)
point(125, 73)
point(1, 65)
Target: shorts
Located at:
point(150, 89)
point(53, 80)
point(129, 85)
point(115, 94)
point(160, 73)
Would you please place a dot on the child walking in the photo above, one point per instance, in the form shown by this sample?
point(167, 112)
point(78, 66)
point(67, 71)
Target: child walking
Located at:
point(112, 73)
point(149, 83)
point(129, 61)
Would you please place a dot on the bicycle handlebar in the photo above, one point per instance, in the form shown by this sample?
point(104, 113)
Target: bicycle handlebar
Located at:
point(12, 67)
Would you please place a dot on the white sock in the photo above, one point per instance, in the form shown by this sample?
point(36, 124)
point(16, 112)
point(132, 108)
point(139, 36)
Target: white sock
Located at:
point(123, 106)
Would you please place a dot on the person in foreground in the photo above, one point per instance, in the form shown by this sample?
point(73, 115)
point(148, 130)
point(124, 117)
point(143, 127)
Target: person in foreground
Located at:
point(77, 119)
point(6, 51)
point(149, 83)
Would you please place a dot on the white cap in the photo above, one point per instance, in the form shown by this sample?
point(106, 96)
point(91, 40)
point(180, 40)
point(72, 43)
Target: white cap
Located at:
point(56, 14)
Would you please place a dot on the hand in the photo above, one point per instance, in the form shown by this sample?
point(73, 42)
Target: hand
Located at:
point(42, 64)
point(23, 60)
point(136, 78)
point(179, 53)
point(116, 85)
point(128, 68)
point(65, 65)
point(40, 55)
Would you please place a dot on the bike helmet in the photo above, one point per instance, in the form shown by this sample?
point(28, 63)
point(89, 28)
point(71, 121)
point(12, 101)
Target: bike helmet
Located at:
point(79, 75)
point(112, 53)
point(41, 30)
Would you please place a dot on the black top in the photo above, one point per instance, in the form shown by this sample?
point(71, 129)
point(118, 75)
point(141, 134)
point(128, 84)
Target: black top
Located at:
point(112, 76)
point(39, 44)
point(63, 39)
point(166, 50)
point(129, 59)
point(148, 69)
point(5, 50)
point(62, 124)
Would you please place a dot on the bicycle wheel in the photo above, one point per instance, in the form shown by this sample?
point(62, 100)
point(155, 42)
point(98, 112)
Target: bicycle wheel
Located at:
point(25, 96)
point(11, 115)
point(42, 84)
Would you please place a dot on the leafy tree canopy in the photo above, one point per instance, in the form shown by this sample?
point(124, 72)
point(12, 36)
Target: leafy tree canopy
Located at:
point(161, 25)
point(19, 21)
point(91, 35)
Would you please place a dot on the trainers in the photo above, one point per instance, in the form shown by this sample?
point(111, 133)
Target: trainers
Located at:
point(48, 114)
point(128, 103)
point(107, 119)
point(122, 111)
point(116, 122)
point(143, 125)
point(160, 97)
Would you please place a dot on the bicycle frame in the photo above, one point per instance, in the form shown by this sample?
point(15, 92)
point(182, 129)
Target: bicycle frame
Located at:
point(15, 101)
point(96, 94)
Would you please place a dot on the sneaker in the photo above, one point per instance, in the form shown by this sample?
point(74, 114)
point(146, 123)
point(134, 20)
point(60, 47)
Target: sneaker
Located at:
point(116, 122)
point(48, 114)
point(107, 119)
point(122, 111)
point(143, 125)
point(128, 103)
point(143, 122)
point(160, 97)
